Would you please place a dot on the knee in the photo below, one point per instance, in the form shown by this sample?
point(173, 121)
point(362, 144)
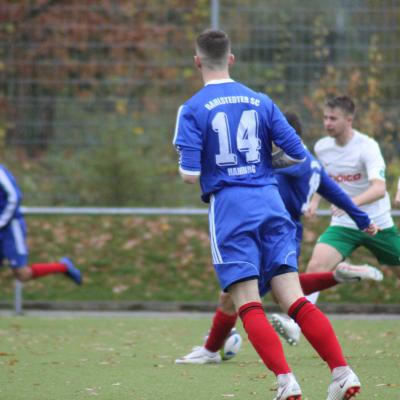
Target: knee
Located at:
point(226, 304)
point(315, 265)
point(23, 274)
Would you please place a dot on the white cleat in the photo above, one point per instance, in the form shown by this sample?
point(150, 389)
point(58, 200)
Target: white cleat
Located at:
point(345, 386)
point(287, 328)
point(348, 273)
point(288, 388)
point(200, 355)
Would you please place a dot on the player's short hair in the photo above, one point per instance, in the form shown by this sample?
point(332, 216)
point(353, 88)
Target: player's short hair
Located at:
point(213, 47)
point(294, 122)
point(345, 103)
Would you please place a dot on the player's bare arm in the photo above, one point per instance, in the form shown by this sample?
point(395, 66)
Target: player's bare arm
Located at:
point(375, 192)
point(281, 160)
point(397, 197)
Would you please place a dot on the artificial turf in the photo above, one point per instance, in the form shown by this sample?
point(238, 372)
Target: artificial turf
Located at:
point(131, 357)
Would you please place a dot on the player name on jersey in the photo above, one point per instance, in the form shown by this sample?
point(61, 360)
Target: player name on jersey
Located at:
point(231, 100)
point(248, 169)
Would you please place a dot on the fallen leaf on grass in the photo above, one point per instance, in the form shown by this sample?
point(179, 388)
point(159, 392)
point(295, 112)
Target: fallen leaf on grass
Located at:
point(120, 289)
point(387, 384)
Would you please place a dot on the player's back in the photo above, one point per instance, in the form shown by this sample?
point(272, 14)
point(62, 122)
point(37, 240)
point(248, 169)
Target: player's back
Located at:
point(233, 127)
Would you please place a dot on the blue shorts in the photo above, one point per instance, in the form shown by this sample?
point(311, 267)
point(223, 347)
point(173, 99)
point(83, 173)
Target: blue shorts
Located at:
point(299, 236)
point(13, 243)
point(252, 235)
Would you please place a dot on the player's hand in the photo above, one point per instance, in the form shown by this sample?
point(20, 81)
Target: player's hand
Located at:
point(397, 199)
point(372, 229)
point(336, 211)
point(311, 211)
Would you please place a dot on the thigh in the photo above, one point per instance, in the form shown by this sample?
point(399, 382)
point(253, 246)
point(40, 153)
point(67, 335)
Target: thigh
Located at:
point(323, 258)
point(385, 246)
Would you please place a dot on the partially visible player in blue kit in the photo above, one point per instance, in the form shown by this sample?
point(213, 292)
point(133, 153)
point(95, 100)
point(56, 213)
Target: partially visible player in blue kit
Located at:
point(224, 135)
point(13, 246)
point(297, 184)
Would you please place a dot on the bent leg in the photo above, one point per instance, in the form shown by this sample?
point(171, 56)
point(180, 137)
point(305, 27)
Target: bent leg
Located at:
point(324, 258)
point(313, 323)
point(260, 333)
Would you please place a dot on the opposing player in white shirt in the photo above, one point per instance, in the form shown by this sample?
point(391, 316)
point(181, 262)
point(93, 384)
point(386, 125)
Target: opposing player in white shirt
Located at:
point(355, 162)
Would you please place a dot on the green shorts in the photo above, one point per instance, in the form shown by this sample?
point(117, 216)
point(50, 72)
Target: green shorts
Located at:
point(385, 245)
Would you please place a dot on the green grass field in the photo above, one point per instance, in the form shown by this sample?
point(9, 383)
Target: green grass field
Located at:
point(65, 358)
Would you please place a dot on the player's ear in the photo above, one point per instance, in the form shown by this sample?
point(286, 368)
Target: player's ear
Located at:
point(197, 61)
point(231, 59)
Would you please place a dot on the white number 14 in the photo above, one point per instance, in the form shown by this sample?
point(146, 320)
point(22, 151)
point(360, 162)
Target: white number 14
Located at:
point(247, 140)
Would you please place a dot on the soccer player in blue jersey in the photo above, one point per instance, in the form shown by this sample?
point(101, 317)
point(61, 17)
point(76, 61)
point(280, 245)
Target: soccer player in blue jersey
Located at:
point(13, 245)
point(297, 183)
point(224, 135)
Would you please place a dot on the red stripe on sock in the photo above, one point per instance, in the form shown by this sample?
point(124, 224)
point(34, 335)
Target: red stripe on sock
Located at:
point(315, 282)
point(318, 330)
point(221, 326)
point(263, 337)
point(39, 270)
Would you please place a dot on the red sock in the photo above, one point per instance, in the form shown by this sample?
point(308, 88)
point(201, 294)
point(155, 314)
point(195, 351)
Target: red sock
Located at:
point(221, 326)
point(318, 330)
point(39, 270)
point(314, 282)
point(263, 337)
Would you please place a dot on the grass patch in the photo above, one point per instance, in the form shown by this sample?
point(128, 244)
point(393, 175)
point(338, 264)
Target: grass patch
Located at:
point(111, 358)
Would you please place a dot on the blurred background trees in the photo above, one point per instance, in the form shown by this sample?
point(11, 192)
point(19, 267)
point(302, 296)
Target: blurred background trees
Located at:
point(89, 90)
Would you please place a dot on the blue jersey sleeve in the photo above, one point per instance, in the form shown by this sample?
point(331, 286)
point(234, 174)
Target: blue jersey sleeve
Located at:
point(295, 170)
point(188, 141)
point(332, 192)
point(284, 136)
point(10, 197)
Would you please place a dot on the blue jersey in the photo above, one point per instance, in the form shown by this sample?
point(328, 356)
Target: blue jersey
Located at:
point(298, 183)
point(224, 133)
point(10, 197)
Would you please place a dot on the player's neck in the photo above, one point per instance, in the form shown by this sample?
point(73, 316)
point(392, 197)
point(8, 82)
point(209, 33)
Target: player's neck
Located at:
point(214, 75)
point(345, 137)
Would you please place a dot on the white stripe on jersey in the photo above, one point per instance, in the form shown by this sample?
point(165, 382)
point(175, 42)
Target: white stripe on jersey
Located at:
point(12, 199)
point(177, 124)
point(187, 172)
point(216, 255)
point(18, 237)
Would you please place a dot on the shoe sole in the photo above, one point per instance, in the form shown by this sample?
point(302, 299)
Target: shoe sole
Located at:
point(369, 274)
point(182, 362)
point(277, 324)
